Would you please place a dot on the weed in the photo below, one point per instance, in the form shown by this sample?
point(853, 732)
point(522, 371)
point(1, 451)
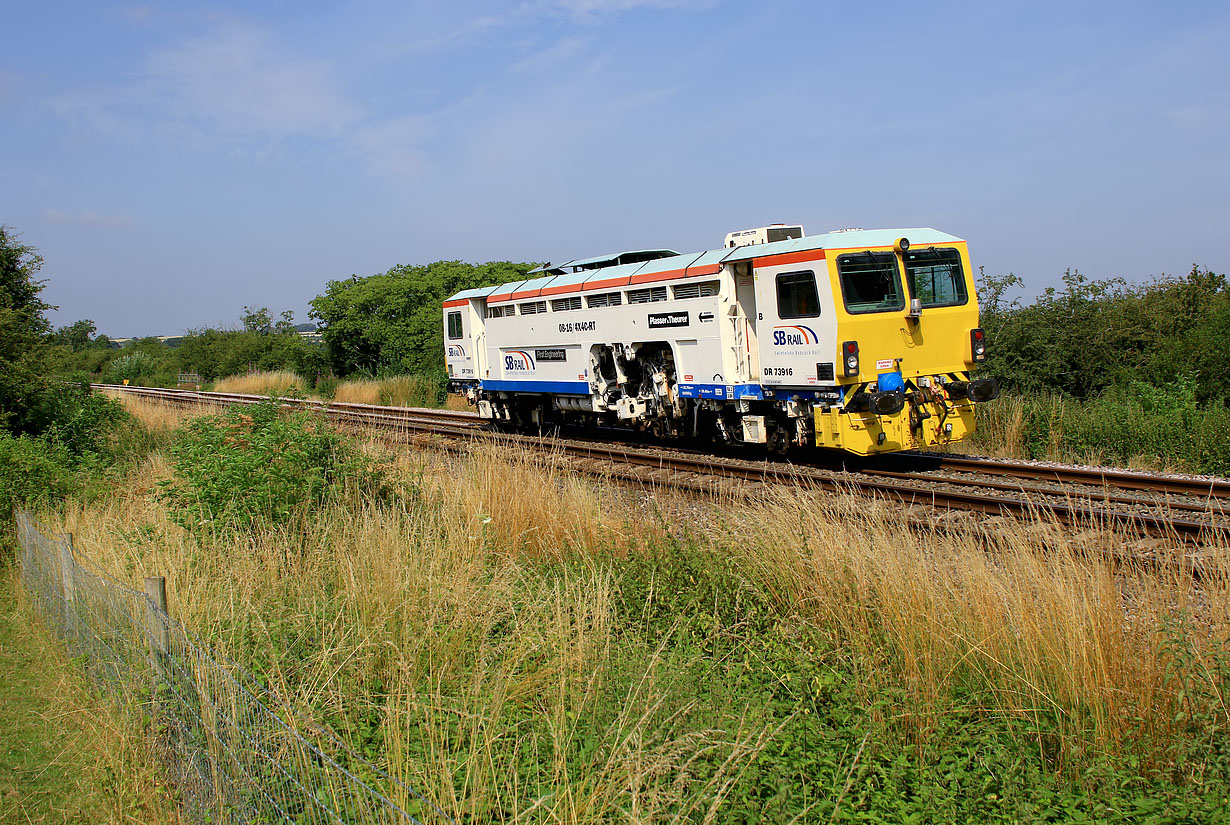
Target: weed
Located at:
point(254, 466)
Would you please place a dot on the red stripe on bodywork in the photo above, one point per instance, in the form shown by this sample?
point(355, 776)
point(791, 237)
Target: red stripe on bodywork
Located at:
point(675, 274)
point(790, 258)
point(650, 277)
point(459, 303)
point(557, 290)
point(607, 284)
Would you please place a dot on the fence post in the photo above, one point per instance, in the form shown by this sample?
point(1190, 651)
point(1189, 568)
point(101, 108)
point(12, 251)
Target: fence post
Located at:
point(159, 635)
point(68, 582)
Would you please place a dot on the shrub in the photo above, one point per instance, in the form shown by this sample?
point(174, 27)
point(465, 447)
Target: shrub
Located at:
point(326, 387)
point(1129, 425)
point(83, 422)
point(130, 368)
point(253, 466)
point(32, 471)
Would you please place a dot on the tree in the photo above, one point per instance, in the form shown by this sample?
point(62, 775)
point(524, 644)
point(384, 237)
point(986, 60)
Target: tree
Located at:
point(391, 323)
point(214, 353)
point(23, 328)
point(257, 319)
point(77, 336)
point(1092, 335)
point(287, 325)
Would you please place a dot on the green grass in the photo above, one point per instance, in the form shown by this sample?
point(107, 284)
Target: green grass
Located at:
point(1138, 426)
point(64, 756)
point(529, 646)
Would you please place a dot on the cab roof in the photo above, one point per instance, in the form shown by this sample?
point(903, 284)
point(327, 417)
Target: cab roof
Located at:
point(661, 264)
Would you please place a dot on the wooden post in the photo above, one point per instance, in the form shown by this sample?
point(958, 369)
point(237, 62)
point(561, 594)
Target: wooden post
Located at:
point(159, 635)
point(68, 582)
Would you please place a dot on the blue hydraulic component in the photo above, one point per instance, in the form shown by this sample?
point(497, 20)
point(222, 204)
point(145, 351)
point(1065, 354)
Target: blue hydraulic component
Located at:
point(890, 381)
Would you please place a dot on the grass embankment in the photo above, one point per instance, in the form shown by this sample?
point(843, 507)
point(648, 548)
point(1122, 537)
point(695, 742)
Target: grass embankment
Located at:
point(65, 754)
point(522, 644)
point(279, 382)
point(397, 391)
point(1143, 429)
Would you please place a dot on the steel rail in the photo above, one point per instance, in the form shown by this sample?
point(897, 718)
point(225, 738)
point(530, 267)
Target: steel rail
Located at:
point(1010, 500)
point(1105, 494)
point(1097, 476)
point(1063, 509)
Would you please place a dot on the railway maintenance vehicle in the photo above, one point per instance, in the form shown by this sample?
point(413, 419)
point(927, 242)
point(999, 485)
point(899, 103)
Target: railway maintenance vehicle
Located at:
point(858, 340)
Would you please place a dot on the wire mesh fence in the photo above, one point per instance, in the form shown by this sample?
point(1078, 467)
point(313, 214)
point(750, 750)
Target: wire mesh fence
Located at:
point(234, 754)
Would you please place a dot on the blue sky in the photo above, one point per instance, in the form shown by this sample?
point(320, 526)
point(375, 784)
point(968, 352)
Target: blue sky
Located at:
point(176, 162)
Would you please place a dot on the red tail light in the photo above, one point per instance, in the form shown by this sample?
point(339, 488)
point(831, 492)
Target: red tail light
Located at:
point(849, 358)
point(977, 345)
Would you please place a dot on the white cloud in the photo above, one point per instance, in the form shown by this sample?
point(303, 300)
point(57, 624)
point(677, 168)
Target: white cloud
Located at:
point(549, 58)
point(586, 10)
point(235, 87)
point(137, 14)
point(393, 147)
point(236, 80)
point(86, 218)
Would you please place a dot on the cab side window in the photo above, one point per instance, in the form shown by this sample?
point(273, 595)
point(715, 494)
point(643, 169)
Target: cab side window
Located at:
point(936, 277)
point(454, 325)
point(797, 296)
point(870, 282)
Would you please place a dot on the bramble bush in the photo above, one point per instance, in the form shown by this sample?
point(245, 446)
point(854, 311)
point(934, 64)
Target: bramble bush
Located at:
point(78, 436)
point(260, 466)
point(85, 422)
point(32, 471)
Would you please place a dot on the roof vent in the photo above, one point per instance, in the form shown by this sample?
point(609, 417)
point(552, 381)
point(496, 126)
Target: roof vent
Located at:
point(764, 234)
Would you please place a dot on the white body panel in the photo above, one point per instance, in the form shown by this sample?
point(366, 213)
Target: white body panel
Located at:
point(792, 348)
point(463, 355)
point(551, 351)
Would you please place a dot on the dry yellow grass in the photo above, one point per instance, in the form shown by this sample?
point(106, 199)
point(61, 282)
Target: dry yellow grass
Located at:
point(71, 754)
point(422, 589)
point(398, 391)
point(279, 383)
point(457, 402)
point(154, 415)
point(1046, 621)
point(358, 391)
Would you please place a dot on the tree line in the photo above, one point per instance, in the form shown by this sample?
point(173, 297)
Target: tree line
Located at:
point(1081, 340)
point(1090, 337)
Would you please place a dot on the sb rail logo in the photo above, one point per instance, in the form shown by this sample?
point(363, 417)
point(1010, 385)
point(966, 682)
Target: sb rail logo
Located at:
point(794, 335)
point(455, 351)
point(518, 361)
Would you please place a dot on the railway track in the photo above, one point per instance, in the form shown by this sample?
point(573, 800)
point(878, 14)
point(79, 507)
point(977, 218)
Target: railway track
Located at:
point(1188, 509)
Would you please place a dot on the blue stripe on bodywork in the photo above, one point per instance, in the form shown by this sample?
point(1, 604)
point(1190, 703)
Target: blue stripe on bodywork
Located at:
point(754, 392)
point(564, 387)
point(723, 391)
